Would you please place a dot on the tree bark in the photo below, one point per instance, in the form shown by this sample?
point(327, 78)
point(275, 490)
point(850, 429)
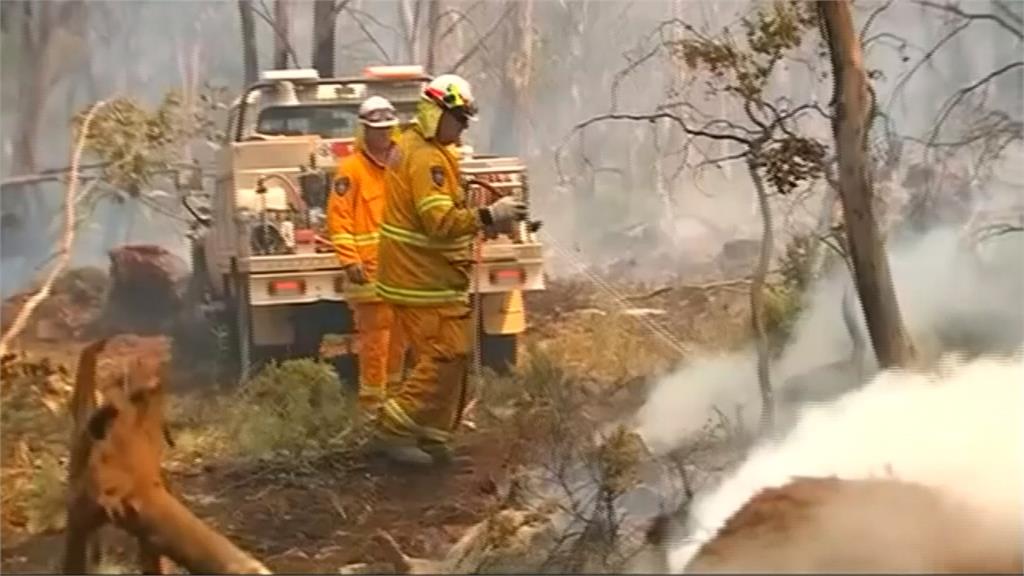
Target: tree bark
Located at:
point(852, 100)
point(757, 284)
point(507, 132)
point(250, 58)
point(434, 10)
point(408, 19)
point(282, 22)
point(46, 56)
point(323, 37)
point(50, 44)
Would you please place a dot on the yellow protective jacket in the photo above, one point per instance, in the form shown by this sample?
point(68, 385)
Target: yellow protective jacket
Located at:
point(354, 212)
point(427, 230)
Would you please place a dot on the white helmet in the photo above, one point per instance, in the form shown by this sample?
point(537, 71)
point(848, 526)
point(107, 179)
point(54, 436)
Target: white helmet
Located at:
point(377, 112)
point(452, 92)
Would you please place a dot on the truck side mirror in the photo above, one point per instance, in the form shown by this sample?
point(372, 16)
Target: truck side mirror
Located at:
point(313, 184)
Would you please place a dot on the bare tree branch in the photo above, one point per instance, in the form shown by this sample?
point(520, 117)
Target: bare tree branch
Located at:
point(460, 16)
point(480, 41)
point(264, 14)
point(926, 58)
point(660, 116)
point(1008, 12)
point(957, 97)
point(716, 161)
point(953, 8)
point(373, 19)
point(630, 67)
point(369, 36)
point(901, 43)
point(871, 19)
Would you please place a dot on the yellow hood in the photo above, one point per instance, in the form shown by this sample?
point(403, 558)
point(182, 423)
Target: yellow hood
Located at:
point(428, 116)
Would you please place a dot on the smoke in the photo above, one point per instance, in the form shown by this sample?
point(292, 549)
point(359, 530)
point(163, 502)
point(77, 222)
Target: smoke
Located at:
point(950, 299)
point(959, 432)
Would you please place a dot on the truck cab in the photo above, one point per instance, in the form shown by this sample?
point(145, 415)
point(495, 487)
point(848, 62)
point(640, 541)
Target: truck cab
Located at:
point(261, 254)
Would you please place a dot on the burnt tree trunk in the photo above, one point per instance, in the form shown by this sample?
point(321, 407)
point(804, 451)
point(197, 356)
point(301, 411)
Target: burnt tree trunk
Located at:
point(250, 58)
point(282, 22)
point(757, 284)
point(323, 37)
point(853, 106)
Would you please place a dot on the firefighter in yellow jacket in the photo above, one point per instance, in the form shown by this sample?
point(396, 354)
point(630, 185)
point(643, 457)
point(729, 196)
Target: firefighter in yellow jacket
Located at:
point(354, 213)
point(425, 259)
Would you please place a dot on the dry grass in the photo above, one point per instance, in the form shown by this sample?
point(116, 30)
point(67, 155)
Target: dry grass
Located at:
point(44, 496)
point(607, 348)
point(287, 409)
point(34, 441)
point(556, 403)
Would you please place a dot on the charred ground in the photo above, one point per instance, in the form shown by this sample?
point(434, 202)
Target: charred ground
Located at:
point(317, 507)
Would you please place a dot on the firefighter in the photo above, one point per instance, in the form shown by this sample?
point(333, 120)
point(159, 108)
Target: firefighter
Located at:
point(424, 274)
point(354, 213)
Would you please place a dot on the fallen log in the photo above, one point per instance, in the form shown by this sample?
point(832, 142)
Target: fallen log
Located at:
point(115, 476)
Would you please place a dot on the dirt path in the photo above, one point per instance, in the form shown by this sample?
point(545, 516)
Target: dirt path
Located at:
point(313, 518)
point(320, 519)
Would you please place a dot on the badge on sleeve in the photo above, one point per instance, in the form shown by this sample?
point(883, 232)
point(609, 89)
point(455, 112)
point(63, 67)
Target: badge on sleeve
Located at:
point(437, 175)
point(341, 186)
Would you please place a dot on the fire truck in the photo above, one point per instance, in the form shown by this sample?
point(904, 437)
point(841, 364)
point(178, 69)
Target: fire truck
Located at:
point(261, 263)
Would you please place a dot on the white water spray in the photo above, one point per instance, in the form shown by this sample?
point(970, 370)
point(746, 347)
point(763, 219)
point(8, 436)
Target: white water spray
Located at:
point(960, 432)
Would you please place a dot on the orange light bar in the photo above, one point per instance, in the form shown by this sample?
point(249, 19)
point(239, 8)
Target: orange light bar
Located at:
point(394, 72)
point(341, 149)
point(507, 276)
point(279, 287)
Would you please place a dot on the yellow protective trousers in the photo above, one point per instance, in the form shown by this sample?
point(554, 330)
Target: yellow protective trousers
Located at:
point(381, 351)
point(428, 404)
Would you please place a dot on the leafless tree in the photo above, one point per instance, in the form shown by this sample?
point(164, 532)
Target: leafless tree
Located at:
point(325, 13)
point(853, 103)
point(250, 58)
point(51, 43)
point(282, 27)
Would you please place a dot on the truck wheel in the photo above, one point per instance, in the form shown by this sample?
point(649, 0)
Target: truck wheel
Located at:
point(499, 352)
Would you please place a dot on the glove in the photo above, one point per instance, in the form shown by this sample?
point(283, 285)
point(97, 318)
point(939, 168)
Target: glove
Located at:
point(506, 209)
point(355, 274)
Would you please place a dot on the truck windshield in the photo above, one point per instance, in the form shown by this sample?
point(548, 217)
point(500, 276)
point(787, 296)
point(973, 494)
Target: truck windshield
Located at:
point(326, 121)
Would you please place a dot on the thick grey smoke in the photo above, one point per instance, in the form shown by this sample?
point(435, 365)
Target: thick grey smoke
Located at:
point(950, 300)
point(958, 432)
point(620, 180)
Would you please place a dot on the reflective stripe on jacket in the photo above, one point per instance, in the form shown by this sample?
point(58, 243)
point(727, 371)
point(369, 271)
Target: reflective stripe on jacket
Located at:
point(427, 230)
point(355, 208)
